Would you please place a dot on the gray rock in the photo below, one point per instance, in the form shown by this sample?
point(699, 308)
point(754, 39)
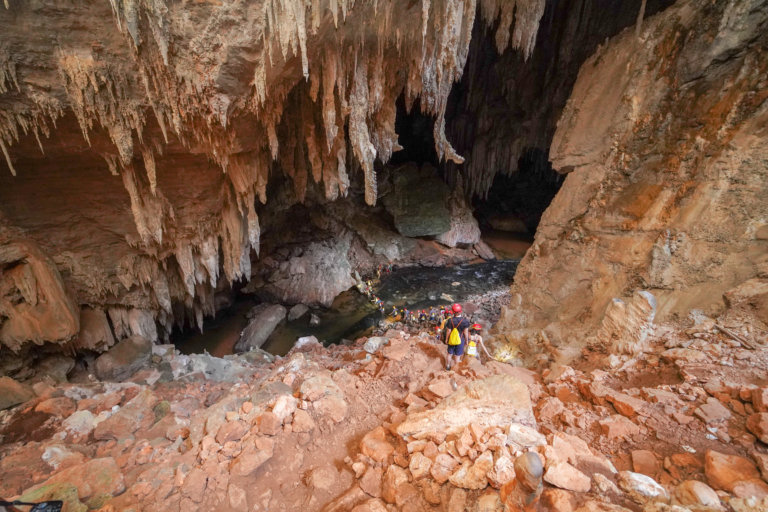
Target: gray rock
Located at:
point(419, 202)
point(464, 227)
point(13, 393)
point(56, 367)
point(374, 343)
point(257, 355)
point(265, 318)
point(297, 311)
point(314, 320)
point(124, 359)
point(306, 341)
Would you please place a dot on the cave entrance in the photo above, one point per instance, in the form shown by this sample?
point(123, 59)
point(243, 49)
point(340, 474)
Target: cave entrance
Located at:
point(415, 134)
point(510, 212)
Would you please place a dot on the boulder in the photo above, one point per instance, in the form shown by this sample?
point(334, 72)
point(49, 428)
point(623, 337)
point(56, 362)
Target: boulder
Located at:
point(13, 393)
point(55, 367)
point(418, 202)
point(124, 359)
point(297, 311)
point(496, 400)
point(693, 493)
point(758, 425)
point(265, 318)
point(724, 471)
point(93, 478)
point(374, 343)
point(464, 229)
point(565, 476)
point(641, 488)
point(375, 445)
point(135, 415)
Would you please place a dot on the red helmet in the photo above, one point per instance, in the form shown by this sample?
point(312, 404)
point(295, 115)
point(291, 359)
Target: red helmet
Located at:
point(456, 308)
point(477, 327)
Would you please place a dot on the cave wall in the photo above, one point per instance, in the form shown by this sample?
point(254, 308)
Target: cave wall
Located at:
point(137, 136)
point(663, 143)
point(508, 103)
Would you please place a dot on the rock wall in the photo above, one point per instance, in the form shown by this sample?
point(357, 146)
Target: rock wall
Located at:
point(137, 140)
point(663, 143)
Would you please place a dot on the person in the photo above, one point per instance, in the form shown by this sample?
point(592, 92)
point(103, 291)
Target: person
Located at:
point(460, 324)
point(474, 340)
point(422, 316)
point(394, 312)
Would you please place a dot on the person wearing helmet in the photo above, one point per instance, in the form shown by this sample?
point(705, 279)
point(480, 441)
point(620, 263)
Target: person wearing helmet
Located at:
point(456, 334)
point(474, 340)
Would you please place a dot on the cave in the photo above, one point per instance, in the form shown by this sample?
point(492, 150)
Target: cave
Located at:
point(383, 255)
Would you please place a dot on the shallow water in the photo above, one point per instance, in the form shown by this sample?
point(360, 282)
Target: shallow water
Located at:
point(352, 315)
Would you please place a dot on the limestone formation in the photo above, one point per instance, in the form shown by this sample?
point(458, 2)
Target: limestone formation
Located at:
point(148, 134)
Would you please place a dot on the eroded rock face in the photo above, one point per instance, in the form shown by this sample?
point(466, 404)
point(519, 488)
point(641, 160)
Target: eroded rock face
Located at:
point(666, 173)
point(174, 117)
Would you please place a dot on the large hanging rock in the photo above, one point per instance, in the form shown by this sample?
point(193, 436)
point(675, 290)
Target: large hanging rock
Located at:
point(265, 318)
point(419, 202)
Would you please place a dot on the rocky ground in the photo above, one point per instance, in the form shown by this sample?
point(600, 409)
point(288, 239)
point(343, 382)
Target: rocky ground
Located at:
point(380, 425)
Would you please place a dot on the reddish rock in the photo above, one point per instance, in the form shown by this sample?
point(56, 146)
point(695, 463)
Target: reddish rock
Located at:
point(440, 388)
point(194, 485)
point(61, 406)
point(758, 424)
point(503, 472)
point(473, 475)
point(135, 415)
point(760, 399)
point(557, 500)
point(567, 477)
point(618, 427)
point(712, 411)
point(443, 468)
point(625, 405)
point(695, 493)
point(253, 456)
point(751, 489)
point(93, 478)
point(419, 465)
point(269, 424)
point(550, 409)
point(393, 485)
point(645, 462)
point(375, 445)
point(302, 421)
point(371, 481)
point(332, 406)
point(232, 431)
point(322, 478)
point(724, 471)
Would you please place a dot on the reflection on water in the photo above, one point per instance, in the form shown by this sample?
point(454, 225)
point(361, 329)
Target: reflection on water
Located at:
point(352, 315)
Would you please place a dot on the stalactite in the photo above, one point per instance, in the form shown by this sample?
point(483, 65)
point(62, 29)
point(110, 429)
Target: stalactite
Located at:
point(314, 96)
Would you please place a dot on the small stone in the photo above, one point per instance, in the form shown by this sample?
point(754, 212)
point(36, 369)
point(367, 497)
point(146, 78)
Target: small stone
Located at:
point(285, 405)
point(302, 421)
point(322, 478)
point(419, 465)
point(253, 456)
point(375, 446)
point(624, 404)
point(457, 501)
point(393, 480)
point(269, 424)
point(371, 481)
point(246, 407)
point(441, 388)
point(645, 462)
point(618, 427)
point(443, 467)
point(232, 431)
point(488, 502)
point(641, 488)
point(567, 477)
point(194, 485)
point(724, 471)
point(712, 411)
point(473, 475)
point(503, 472)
